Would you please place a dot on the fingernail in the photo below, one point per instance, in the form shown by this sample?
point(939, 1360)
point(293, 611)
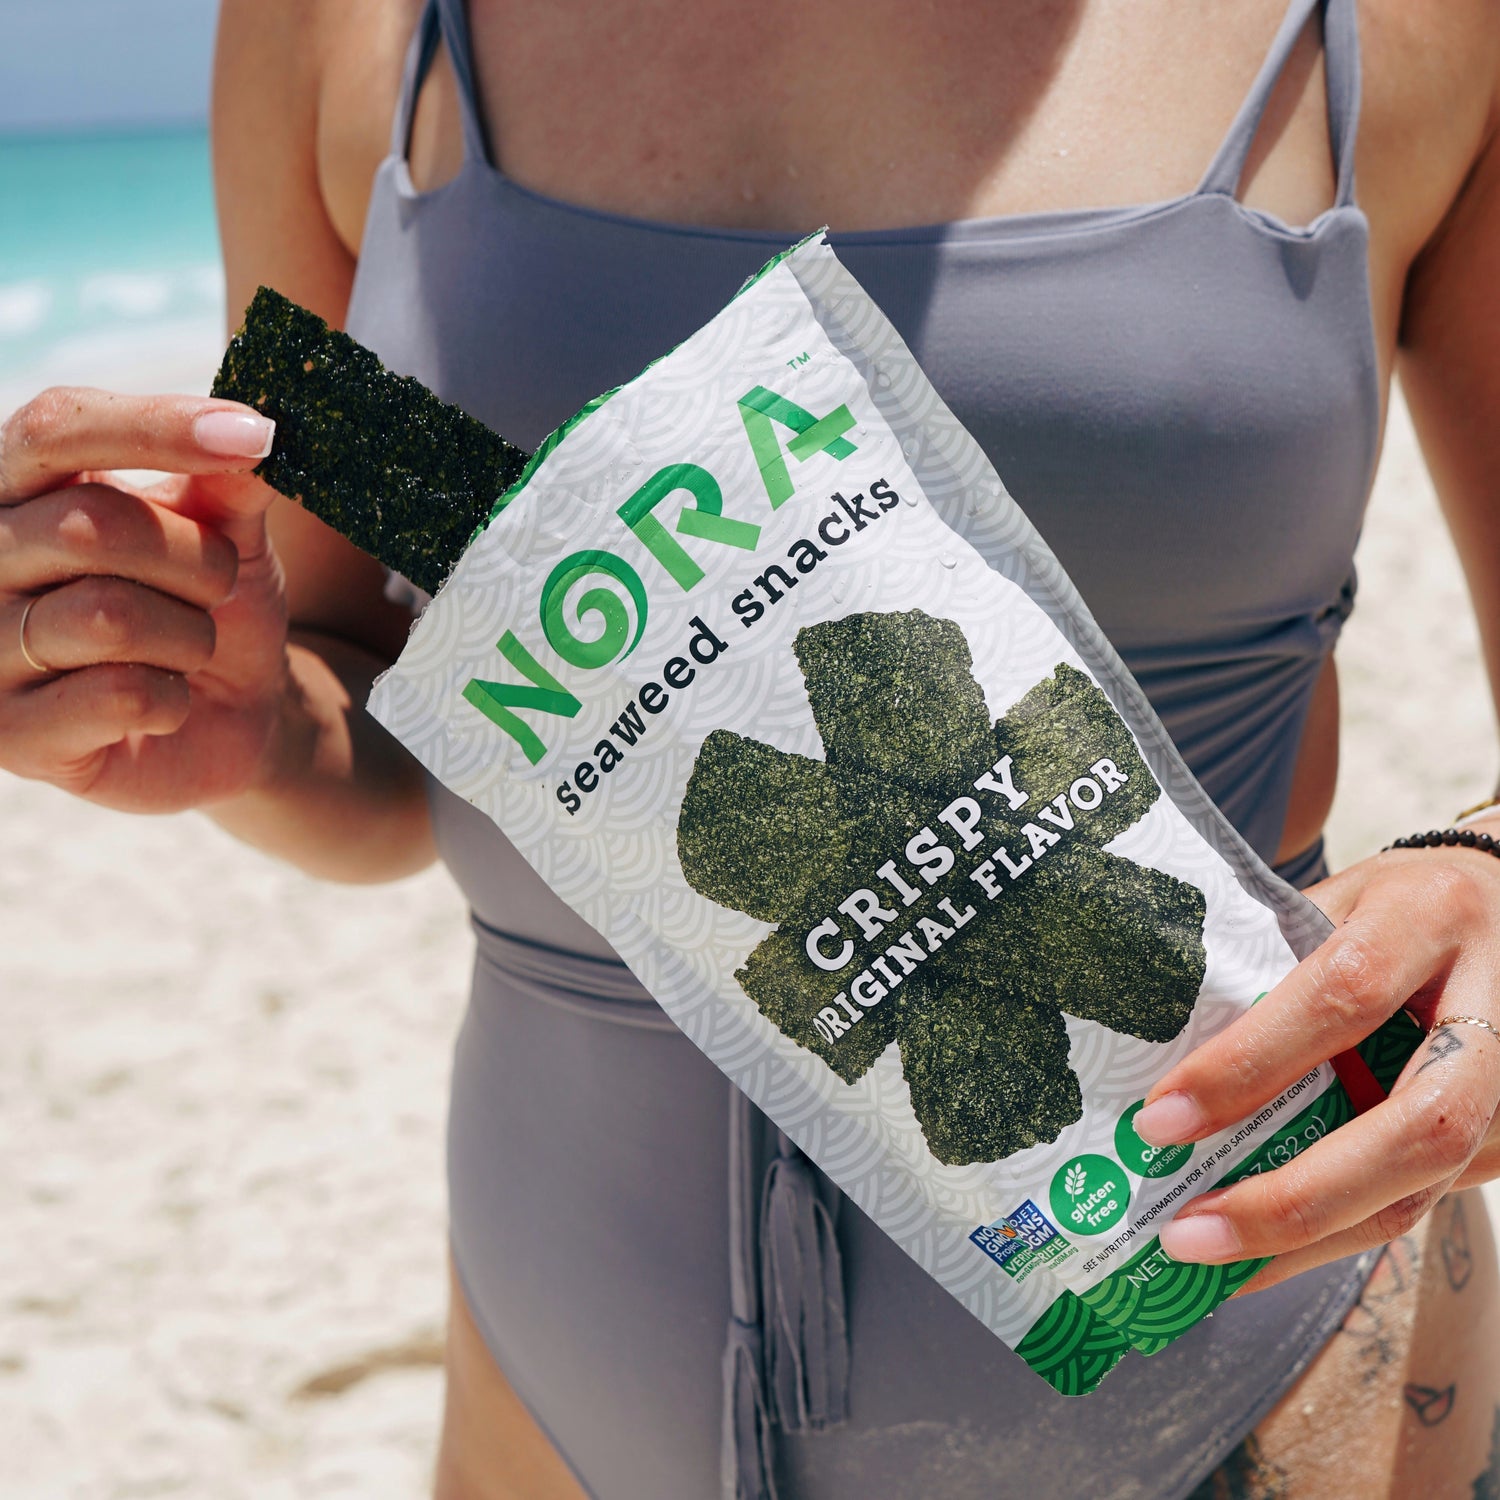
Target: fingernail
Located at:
point(1201, 1237)
point(1170, 1120)
point(234, 434)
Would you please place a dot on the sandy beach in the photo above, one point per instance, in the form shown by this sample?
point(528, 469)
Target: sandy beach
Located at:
point(223, 1088)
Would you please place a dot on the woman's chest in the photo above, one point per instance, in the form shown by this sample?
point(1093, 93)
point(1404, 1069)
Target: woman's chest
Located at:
point(870, 114)
point(883, 114)
point(1185, 401)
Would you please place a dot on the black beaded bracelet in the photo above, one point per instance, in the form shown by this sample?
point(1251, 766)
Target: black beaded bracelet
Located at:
point(1463, 838)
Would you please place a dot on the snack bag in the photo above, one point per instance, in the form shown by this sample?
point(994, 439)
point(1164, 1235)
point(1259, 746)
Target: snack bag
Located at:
point(410, 480)
point(763, 671)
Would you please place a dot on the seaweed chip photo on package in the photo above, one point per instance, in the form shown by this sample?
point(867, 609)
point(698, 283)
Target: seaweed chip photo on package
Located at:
point(909, 749)
point(763, 671)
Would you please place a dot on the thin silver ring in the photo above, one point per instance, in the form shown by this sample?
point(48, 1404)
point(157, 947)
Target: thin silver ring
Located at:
point(1466, 1021)
point(30, 660)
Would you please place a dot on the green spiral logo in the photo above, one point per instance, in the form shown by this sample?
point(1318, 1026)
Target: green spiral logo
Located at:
point(609, 642)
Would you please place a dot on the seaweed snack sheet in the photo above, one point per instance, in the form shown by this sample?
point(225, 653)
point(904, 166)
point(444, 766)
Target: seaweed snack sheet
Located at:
point(767, 676)
point(402, 475)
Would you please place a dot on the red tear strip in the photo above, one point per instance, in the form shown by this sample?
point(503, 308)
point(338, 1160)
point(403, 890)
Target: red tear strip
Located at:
point(1359, 1082)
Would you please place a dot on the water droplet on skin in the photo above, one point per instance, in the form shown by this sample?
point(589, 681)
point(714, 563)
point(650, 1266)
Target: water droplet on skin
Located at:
point(948, 560)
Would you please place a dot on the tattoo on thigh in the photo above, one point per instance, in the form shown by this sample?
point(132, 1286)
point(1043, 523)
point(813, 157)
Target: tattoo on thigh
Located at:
point(1487, 1485)
point(1394, 1276)
point(1458, 1259)
point(1246, 1475)
point(1443, 1045)
point(1431, 1404)
point(1396, 1271)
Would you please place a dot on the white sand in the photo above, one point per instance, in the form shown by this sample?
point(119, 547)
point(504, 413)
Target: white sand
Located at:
point(222, 1091)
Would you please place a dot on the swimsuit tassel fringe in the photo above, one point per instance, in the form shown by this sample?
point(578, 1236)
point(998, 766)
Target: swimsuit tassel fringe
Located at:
point(748, 1465)
point(802, 1287)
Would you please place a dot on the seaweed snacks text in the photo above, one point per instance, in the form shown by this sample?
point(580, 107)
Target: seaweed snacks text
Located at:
point(846, 518)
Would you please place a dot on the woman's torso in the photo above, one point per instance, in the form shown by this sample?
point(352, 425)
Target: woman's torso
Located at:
point(1184, 394)
point(881, 116)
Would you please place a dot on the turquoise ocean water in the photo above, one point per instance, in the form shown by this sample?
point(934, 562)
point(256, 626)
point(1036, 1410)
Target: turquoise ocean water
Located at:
point(109, 257)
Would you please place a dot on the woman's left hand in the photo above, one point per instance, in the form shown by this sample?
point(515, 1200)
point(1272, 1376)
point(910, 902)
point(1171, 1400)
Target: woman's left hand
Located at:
point(1418, 928)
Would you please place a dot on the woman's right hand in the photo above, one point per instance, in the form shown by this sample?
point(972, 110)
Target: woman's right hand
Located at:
point(158, 614)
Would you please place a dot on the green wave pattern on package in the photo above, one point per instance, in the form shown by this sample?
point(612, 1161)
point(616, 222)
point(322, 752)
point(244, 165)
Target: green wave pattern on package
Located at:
point(764, 672)
point(1153, 1299)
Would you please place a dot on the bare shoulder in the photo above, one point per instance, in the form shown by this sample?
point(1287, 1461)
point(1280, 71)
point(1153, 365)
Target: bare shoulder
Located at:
point(303, 91)
point(1435, 150)
point(363, 46)
point(1430, 100)
point(1447, 94)
point(303, 95)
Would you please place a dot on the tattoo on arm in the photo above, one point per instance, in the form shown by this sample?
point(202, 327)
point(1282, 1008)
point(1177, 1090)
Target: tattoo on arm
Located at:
point(1443, 1045)
point(1458, 1258)
point(1431, 1404)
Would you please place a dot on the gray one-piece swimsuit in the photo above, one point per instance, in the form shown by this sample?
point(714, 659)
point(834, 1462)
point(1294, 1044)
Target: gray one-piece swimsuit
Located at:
point(1184, 397)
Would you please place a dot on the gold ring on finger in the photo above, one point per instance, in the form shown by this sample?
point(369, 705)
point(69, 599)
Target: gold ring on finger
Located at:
point(1466, 1021)
point(31, 661)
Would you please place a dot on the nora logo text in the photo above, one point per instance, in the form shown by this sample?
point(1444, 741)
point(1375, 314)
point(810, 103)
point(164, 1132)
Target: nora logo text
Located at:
point(671, 548)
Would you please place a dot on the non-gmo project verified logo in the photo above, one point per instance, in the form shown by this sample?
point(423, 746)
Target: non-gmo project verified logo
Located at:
point(999, 1241)
point(1022, 1240)
point(1032, 1225)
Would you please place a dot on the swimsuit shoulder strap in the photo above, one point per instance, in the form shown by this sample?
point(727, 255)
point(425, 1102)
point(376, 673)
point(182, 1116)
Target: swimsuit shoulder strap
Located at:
point(1341, 68)
point(441, 20)
point(419, 54)
point(1341, 64)
point(455, 27)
